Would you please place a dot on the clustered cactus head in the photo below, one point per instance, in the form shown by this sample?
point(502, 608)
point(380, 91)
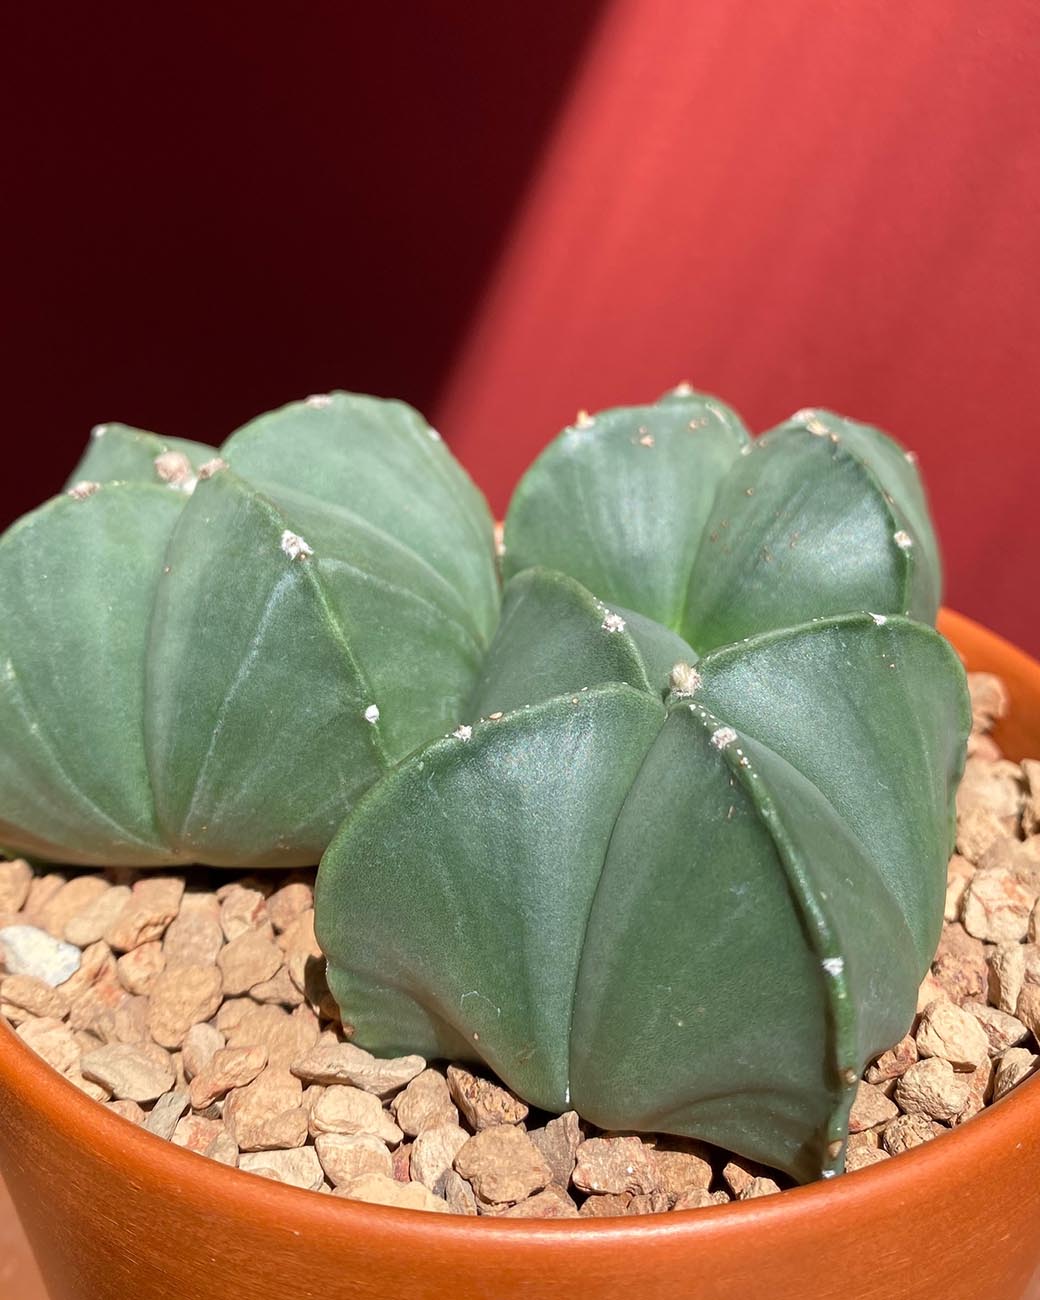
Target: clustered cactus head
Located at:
point(207, 657)
point(681, 864)
point(662, 839)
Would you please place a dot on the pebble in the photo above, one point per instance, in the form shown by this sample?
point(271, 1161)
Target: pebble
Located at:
point(248, 959)
point(279, 989)
point(197, 1133)
point(130, 1073)
point(28, 950)
point(194, 938)
point(424, 1103)
point(614, 1164)
point(378, 1189)
point(15, 879)
point(997, 906)
point(139, 968)
point(164, 1117)
point(558, 1142)
point(129, 1110)
point(759, 1187)
point(52, 1040)
point(551, 1203)
point(346, 1157)
point(229, 1067)
point(201, 1043)
point(679, 1168)
point(223, 1149)
point(933, 1088)
point(342, 1109)
point(502, 1165)
point(871, 1107)
point(268, 1113)
point(979, 1087)
point(483, 1102)
point(458, 1194)
point(152, 905)
point(1007, 967)
point(434, 1152)
point(863, 1157)
point(698, 1199)
point(1028, 1008)
point(242, 910)
point(298, 1167)
point(90, 925)
point(22, 996)
point(332, 1063)
point(894, 1062)
point(952, 1034)
point(180, 998)
point(287, 1036)
point(907, 1131)
point(1016, 1064)
point(97, 966)
point(1001, 1029)
point(68, 901)
point(288, 903)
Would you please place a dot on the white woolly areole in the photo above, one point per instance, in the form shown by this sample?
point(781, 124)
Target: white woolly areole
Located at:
point(811, 419)
point(879, 619)
point(174, 469)
point(319, 401)
point(463, 732)
point(903, 540)
point(722, 737)
point(85, 488)
point(684, 389)
point(434, 435)
point(684, 680)
point(295, 547)
point(372, 713)
point(612, 622)
point(99, 430)
point(212, 467)
point(833, 965)
point(583, 420)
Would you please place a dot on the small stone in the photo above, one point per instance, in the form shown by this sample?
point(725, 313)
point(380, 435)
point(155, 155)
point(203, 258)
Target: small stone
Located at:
point(378, 1189)
point(139, 968)
point(94, 1010)
point(870, 1108)
point(1028, 1008)
point(41, 890)
point(1031, 805)
point(907, 1131)
point(993, 788)
point(15, 879)
point(989, 700)
point(129, 1110)
point(680, 1167)
point(424, 1103)
point(52, 1040)
point(288, 903)
point(90, 924)
point(613, 1164)
point(929, 991)
point(610, 1205)
point(152, 905)
point(242, 910)
point(28, 950)
point(1007, 974)
point(196, 1133)
point(458, 1194)
point(68, 901)
point(194, 938)
point(434, 1152)
point(483, 1103)
point(201, 1043)
point(558, 1142)
point(22, 996)
point(933, 1088)
point(952, 1034)
point(248, 959)
point(332, 1063)
point(1015, 1065)
point(342, 1109)
point(1033, 929)
point(97, 966)
point(223, 1150)
point(401, 1162)
point(298, 1167)
point(977, 829)
point(894, 1062)
point(997, 906)
point(980, 1083)
point(863, 1157)
point(759, 1187)
point(1001, 1029)
point(699, 1199)
point(960, 964)
point(503, 1165)
point(93, 1090)
point(552, 1203)
point(287, 1037)
point(136, 1073)
point(738, 1175)
point(268, 1113)
point(279, 990)
point(180, 998)
point(230, 1067)
point(345, 1157)
point(165, 1115)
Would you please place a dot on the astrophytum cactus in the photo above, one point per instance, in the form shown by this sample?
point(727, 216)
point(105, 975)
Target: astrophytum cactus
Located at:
point(681, 864)
point(207, 657)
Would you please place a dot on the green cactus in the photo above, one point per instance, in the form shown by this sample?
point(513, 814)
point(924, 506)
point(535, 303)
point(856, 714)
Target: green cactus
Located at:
point(208, 659)
point(677, 893)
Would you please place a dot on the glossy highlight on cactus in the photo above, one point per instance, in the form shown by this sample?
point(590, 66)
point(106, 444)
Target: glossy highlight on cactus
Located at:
point(680, 862)
point(207, 657)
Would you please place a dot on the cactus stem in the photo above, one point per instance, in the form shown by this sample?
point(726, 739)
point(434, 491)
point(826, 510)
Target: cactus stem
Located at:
point(463, 732)
point(903, 540)
point(318, 401)
point(684, 680)
point(722, 737)
point(612, 622)
point(85, 488)
point(295, 547)
point(372, 714)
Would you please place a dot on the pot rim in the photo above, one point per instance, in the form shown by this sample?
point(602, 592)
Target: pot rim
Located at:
point(146, 1159)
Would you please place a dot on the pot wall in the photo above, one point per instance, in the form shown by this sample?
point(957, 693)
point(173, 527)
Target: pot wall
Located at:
point(114, 1212)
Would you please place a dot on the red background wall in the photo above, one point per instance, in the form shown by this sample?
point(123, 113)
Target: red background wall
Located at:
point(506, 212)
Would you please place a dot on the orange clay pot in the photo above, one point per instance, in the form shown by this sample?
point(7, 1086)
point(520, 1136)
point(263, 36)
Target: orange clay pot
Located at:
point(113, 1212)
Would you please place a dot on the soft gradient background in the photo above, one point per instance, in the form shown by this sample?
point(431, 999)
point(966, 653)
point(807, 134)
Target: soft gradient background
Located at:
point(505, 212)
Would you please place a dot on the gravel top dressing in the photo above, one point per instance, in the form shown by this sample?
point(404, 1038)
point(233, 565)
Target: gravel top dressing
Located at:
point(196, 1006)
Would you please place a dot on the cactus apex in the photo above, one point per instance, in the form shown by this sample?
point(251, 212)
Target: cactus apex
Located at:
point(684, 680)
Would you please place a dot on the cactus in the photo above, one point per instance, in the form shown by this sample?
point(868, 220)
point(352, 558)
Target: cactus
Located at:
point(681, 863)
point(208, 658)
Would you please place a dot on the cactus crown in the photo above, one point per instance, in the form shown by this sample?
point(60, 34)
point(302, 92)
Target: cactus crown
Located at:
point(663, 839)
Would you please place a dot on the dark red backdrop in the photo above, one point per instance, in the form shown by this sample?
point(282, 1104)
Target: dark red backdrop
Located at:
point(503, 212)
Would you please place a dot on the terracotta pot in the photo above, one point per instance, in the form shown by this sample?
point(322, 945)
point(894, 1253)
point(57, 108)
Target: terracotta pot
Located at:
point(113, 1212)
